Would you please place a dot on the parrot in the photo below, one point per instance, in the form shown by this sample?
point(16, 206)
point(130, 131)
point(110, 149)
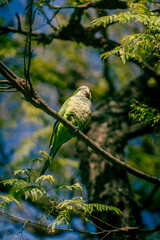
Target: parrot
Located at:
point(77, 110)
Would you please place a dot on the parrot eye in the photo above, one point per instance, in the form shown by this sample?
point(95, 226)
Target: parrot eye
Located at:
point(70, 116)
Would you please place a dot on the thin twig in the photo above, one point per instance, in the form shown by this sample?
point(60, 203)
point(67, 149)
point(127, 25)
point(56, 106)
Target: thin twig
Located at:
point(150, 196)
point(19, 22)
point(58, 7)
point(49, 229)
point(7, 71)
point(83, 216)
point(5, 82)
point(28, 45)
point(25, 64)
point(15, 30)
point(100, 220)
point(105, 235)
point(30, 39)
point(49, 20)
point(123, 230)
point(8, 90)
point(5, 88)
point(84, 6)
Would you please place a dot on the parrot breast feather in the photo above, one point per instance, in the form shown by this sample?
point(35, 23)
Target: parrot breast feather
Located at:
point(77, 110)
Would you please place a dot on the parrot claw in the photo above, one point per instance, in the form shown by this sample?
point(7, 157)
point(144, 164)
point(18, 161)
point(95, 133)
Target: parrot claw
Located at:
point(76, 130)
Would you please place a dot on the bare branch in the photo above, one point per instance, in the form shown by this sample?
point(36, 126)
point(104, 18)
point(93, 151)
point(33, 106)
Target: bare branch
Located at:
point(30, 39)
point(84, 6)
point(5, 82)
point(49, 20)
point(19, 22)
point(149, 198)
point(97, 4)
point(28, 44)
point(6, 72)
point(9, 29)
point(8, 90)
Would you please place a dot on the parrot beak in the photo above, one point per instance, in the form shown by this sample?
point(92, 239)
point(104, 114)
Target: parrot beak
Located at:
point(87, 93)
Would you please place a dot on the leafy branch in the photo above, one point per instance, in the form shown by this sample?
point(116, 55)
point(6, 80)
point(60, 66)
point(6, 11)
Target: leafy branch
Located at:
point(64, 208)
point(26, 183)
point(87, 35)
point(33, 97)
point(137, 46)
point(123, 230)
point(141, 112)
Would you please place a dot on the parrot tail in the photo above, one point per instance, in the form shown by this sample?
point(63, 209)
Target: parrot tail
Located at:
point(47, 163)
point(45, 166)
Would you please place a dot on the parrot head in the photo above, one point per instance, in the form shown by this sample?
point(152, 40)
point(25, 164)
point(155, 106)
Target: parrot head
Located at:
point(83, 90)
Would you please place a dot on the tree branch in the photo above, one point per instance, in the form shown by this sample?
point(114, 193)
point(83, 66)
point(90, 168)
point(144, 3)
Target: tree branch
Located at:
point(84, 35)
point(48, 230)
point(28, 44)
point(5, 82)
point(33, 97)
point(97, 4)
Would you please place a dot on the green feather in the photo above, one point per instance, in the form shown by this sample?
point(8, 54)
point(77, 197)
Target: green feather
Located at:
point(77, 110)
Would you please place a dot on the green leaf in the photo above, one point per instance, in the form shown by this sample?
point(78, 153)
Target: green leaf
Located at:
point(9, 181)
point(7, 199)
point(22, 171)
point(46, 177)
point(34, 192)
point(75, 186)
point(141, 112)
point(139, 46)
point(100, 208)
point(70, 203)
point(63, 217)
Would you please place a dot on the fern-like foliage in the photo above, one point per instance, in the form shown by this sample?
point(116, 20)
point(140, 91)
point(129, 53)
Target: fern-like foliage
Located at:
point(141, 112)
point(79, 2)
point(45, 177)
point(135, 46)
point(27, 184)
point(63, 217)
point(75, 186)
point(78, 206)
point(90, 207)
point(5, 200)
point(26, 188)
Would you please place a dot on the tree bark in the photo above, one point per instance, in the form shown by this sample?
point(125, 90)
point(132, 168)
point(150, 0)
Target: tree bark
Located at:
point(107, 183)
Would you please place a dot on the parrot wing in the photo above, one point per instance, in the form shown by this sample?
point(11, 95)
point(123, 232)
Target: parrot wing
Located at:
point(77, 110)
point(56, 124)
point(53, 141)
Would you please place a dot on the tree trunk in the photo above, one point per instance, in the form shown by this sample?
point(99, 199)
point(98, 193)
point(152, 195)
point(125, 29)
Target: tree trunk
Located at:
point(107, 183)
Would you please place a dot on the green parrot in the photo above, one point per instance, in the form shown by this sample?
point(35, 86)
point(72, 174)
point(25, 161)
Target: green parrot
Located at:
point(77, 110)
